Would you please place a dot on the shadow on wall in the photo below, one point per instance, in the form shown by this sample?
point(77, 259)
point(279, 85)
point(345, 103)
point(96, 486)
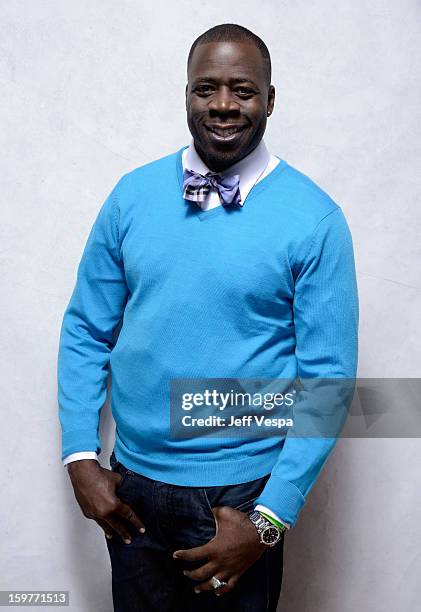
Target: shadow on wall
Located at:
point(86, 546)
point(314, 575)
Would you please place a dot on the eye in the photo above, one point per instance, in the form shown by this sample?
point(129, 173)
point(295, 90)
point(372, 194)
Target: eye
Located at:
point(203, 89)
point(244, 91)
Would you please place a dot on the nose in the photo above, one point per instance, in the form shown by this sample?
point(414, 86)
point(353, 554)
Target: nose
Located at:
point(222, 101)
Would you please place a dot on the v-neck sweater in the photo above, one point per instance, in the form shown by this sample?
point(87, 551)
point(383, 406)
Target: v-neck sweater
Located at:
point(266, 290)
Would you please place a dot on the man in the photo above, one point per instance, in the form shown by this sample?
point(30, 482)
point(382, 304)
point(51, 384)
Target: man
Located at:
point(223, 262)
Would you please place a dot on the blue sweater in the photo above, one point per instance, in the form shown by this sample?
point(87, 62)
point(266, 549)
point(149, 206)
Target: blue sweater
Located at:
point(267, 290)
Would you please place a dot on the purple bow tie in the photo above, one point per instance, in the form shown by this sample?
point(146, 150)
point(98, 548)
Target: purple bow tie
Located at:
point(197, 186)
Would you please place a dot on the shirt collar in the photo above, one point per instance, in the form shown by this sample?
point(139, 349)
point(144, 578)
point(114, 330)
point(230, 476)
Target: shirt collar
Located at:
point(249, 168)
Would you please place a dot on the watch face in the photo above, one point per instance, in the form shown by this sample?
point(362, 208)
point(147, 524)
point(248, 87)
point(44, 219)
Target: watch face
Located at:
point(270, 535)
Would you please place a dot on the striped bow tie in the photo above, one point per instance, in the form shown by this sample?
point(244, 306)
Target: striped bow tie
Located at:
point(197, 186)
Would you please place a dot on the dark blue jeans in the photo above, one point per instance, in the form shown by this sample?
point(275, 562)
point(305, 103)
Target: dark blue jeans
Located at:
point(145, 577)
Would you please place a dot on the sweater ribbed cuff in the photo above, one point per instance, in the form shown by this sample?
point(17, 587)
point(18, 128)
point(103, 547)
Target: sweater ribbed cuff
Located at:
point(80, 440)
point(283, 498)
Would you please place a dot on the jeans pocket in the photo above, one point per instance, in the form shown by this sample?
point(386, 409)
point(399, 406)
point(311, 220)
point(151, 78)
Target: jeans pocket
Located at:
point(246, 506)
point(208, 506)
point(124, 473)
point(240, 497)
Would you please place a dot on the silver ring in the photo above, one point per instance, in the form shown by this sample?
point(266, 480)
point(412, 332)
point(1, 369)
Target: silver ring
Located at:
point(216, 583)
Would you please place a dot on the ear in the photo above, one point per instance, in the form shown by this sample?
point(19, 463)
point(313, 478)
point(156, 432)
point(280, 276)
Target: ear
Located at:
point(187, 86)
point(271, 99)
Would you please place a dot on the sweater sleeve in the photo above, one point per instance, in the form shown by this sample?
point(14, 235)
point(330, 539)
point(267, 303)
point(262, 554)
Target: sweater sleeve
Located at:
point(86, 337)
point(325, 311)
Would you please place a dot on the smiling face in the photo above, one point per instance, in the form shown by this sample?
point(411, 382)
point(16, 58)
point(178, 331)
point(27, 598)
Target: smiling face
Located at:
point(227, 101)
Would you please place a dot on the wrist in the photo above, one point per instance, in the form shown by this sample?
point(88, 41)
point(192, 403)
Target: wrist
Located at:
point(82, 465)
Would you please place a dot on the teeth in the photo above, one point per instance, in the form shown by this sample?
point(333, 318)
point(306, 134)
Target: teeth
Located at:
point(226, 132)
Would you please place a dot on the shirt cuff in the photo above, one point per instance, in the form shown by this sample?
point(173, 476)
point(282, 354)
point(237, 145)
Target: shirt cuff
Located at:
point(79, 455)
point(272, 514)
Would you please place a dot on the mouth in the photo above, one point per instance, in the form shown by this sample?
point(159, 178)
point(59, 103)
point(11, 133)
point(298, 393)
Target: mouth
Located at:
point(225, 134)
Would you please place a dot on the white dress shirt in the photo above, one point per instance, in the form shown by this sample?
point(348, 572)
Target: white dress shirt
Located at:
point(252, 169)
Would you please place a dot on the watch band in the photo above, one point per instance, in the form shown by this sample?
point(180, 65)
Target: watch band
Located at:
point(269, 533)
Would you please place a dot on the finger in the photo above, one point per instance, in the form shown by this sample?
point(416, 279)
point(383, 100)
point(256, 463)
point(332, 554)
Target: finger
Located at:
point(128, 513)
point(194, 554)
point(227, 587)
point(108, 532)
point(208, 586)
point(120, 528)
point(202, 573)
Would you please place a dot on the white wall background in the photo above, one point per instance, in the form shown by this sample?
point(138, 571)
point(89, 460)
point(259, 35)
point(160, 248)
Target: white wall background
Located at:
point(90, 90)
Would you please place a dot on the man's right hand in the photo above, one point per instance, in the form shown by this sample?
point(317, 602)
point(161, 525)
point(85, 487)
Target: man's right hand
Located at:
point(95, 491)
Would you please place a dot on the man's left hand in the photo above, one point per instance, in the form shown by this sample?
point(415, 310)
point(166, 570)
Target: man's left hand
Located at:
point(234, 548)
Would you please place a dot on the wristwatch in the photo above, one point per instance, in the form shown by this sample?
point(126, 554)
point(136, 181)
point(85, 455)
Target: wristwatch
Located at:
point(269, 533)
